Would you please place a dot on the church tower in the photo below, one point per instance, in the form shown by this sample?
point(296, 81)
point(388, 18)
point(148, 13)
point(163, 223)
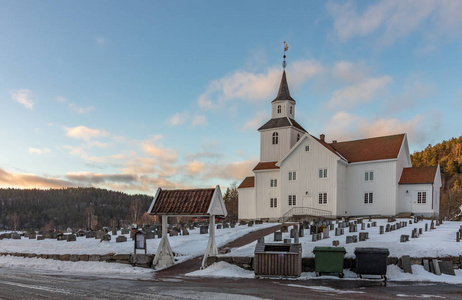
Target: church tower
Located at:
point(281, 132)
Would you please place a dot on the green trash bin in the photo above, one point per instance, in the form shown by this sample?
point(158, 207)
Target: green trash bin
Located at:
point(329, 260)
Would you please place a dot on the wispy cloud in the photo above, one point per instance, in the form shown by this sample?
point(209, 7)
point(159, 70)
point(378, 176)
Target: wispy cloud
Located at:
point(74, 107)
point(100, 41)
point(394, 20)
point(185, 117)
point(23, 96)
point(256, 121)
point(84, 133)
point(39, 151)
point(254, 87)
point(21, 180)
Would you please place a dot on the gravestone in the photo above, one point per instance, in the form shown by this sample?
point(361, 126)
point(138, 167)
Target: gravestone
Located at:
point(225, 225)
point(406, 264)
point(233, 225)
point(374, 224)
point(277, 236)
point(335, 243)
point(296, 238)
point(185, 231)
point(319, 236)
point(458, 236)
point(287, 241)
point(404, 238)
point(301, 232)
point(331, 227)
point(15, 236)
point(420, 231)
point(284, 228)
point(149, 235)
point(432, 225)
point(204, 229)
point(426, 226)
point(125, 231)
point(71, 238)
point(121, 239)
point(447, 267)
point(106, 237)
point(325, 233)
point(426, 265)
point(292, 233)
point(349, 239)
point(381, 229)
point(368, 225)
point(261, 240)
point(40, 237)
point(363, 226)
point(114, 230)
point(32, 236)
point(363, 236)
point(436, 267)
point(218, 226)
point(314, 237)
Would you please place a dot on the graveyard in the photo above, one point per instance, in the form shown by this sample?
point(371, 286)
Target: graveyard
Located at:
point(416, 247)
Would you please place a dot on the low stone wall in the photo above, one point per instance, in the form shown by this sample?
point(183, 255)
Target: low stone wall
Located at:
point(136, 260)
point(348, 263)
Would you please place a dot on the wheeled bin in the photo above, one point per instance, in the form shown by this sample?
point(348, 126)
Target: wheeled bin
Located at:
point(329, 260)
point(371, 261)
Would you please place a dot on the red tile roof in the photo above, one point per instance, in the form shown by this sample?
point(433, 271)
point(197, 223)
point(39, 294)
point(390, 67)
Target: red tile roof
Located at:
point(183, 202)
point(416, 175)
point(384, 147)
point(247, 183)
point(266, 166)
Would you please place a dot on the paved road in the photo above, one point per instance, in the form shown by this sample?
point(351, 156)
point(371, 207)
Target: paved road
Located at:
point(20, 284)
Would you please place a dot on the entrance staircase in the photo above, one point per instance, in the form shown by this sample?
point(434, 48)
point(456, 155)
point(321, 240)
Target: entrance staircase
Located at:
point(305, 212)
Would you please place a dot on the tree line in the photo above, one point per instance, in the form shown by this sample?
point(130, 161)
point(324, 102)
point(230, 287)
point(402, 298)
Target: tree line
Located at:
point(448, 154)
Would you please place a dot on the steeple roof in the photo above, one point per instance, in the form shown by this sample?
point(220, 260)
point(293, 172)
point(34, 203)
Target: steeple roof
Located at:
point(283, 93)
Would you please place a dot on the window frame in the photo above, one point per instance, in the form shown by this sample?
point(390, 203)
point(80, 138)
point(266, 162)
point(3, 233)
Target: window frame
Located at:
point(279, 109)
point(292, 176)
point(368, 198)
point(273, 183)
point(273, 202)
point(275, 138)
point(422, 197)
point(368, 175)
point(323, 173)
point(292, 200)
point(322, 198)
point(307, 148)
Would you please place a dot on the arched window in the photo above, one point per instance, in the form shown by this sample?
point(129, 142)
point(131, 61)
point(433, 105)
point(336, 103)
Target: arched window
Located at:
point(275, 138)
point(279, 109)
point(291, 110)
point(298, 137)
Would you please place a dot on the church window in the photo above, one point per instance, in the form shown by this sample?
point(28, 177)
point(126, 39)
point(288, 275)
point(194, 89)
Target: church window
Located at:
point(292, 176)
point(274, 202)
point(307, 148)
point(369, 176)
point(273, 182)
point(421, 197)
point(291, 109)
point(368, 198)
point(322, 198)
point(292, 200)
point(322, 173)
point(275, 138)
point(298, 137)
point(279, 109)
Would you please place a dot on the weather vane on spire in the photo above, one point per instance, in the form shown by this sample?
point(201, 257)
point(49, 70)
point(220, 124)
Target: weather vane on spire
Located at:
point(286, 47)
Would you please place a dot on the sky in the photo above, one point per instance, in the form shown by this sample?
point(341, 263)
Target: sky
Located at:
point(136, 95)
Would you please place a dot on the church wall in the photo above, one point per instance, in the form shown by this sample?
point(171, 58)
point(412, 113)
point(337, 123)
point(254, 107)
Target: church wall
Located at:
point(308, 184)
point(285, 109)
point(265, 192)
point(270, 152)
point(342, 192)
point(246, 204)
point(384, 188)
point(408, 199)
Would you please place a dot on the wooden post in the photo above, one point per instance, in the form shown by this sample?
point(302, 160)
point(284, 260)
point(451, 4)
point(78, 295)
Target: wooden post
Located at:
point(211, 249)
point(164, 256)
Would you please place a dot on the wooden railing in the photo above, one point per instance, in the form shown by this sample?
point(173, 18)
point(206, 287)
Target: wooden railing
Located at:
point(306, 211)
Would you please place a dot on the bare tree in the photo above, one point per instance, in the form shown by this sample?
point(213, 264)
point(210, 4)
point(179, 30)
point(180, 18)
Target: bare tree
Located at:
point(134, 211)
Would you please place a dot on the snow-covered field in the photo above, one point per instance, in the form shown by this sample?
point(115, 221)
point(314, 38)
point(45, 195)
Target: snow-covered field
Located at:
point(438, 242)
point(434, 243)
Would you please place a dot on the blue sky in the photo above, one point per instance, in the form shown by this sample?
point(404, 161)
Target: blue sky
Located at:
point(135, 95)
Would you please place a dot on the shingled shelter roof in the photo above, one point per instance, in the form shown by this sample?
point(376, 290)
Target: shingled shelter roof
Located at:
point(248, 182)
point(416, 175)
point(266, 166)
point(194, 202)
point(378, 148)
point(283, 93)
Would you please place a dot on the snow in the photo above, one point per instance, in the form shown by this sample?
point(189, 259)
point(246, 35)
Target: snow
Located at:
point(185, 247)
point(439, 242)
point(222, 269)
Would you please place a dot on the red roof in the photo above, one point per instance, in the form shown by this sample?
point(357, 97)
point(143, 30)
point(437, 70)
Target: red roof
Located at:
point(266, 166)
point(418, 175)
point(384, 147)
point(183, 202)
point(247, 183)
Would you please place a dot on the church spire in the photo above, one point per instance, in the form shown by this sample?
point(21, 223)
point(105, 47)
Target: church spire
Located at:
point(283, 93)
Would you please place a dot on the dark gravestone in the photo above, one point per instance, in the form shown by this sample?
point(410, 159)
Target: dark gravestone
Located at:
point(325, 233)
point(349, 239)
point(287, 241)
point(426, 226)
point(314, 237)
point(404, 238)
point(121, 239)
point(218, 226)
point(363, 236)
point(436, 267)
point(149, 235)
point(225, 225)
point(261, 240)
point(40, 237)
point(381, 229)
point(277, 236)
point(420, 231)
point(185, 231)
point(71, 238)
point(114, 230)
point(406, 264)
point(447, 267)
point(233, 225)
point(204, 229)
point(426, 265)
point(125, 231)
point(292, 233)
point(363, 226)
point(301, 232)
point(284, 228)
point(335, 243)
point(296, 238)
point(458, 236)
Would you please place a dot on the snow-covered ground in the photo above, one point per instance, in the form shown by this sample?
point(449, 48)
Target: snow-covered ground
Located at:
point(438, 242)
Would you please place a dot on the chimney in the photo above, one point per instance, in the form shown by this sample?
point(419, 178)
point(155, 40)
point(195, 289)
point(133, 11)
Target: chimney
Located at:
point(322, 137)
point(334, 141)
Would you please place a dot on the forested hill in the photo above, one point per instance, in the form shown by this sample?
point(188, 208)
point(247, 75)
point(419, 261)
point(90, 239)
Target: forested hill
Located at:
point(448, 155)
point(70, 207)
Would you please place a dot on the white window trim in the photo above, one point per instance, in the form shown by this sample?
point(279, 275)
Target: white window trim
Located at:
point(323, 170)
point(307, 148)
point(273, 202)
point(324, 197)
point(273, 183)
point(290, 199)
point(291, 174)
point(417, 200)
point(369, 176)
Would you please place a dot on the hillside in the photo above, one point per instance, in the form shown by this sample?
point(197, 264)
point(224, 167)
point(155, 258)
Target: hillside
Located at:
point(448, 155)
point(69, 207)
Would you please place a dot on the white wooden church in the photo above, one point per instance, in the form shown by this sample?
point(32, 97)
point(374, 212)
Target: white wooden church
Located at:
point(300, 174)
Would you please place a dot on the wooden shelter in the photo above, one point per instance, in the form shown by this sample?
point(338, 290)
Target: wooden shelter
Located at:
point(191, 203)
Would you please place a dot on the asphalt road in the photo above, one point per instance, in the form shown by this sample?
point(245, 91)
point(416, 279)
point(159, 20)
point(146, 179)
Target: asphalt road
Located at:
point(20, 284)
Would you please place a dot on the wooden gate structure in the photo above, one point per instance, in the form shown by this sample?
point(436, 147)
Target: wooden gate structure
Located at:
point(187, 203)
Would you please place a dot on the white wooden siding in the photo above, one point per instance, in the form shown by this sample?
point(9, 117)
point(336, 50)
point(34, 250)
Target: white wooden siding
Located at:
point(285, 109)
point(265, 192)
point(246, 204)
point(270, 152)
point(408, 199)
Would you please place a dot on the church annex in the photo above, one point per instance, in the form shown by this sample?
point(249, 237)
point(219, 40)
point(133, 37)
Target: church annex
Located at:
point(300, 174)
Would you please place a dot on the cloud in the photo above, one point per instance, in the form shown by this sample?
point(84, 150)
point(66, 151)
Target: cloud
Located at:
point(198, 120)
point(394, 20)
point(185, 117)
point(23, 96)
point(362, 92)
point(349, 72)
point(344, 126)
point(21, 180)
point(39, 151)
point(163, 154)
point(93, 178)
point(256, 121)
point(85, 133)
point(413, 93)
point(195, 167)
point(254, 87)
point(74, 107)
point(100, 41)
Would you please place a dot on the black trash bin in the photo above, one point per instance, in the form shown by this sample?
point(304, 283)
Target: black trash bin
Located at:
point(371, 261)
